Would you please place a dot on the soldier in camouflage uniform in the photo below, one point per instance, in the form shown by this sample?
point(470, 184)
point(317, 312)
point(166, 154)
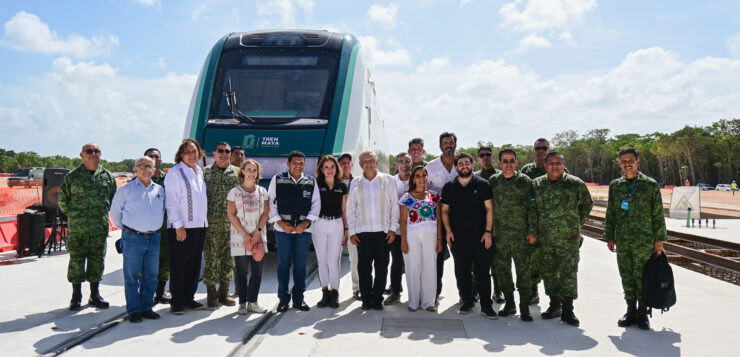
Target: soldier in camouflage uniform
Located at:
point(513, 223)
point(85, 197)
point(485, 159)
point(416, 150)
point(164, 263)
point(563, 204)
point(220, 178)
point(635, 222)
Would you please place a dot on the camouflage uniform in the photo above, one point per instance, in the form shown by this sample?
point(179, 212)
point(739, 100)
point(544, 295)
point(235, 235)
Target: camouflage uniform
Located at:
point(486, 174)
point(420, 163)
point(635, 229)
point(562, 208)
point(85, 198)
point(513, 218)
point(164, 262)
point(216, 251)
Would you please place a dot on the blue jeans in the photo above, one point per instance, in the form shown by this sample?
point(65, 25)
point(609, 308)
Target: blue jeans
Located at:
point(140, 256)
point(292, 249)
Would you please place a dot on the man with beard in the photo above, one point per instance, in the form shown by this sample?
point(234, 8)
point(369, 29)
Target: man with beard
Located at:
point(467, 215)
point(441, 171)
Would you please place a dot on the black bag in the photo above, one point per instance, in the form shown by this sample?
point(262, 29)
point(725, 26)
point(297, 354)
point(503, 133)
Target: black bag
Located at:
point(658, 290)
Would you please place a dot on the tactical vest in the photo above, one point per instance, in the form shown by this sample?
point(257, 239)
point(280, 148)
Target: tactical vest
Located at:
point(293, 199)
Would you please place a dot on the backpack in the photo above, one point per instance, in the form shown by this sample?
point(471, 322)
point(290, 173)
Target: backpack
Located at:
point(658, 288)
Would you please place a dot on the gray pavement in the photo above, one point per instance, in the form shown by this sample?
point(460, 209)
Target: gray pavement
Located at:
point(725, 229)
point(34, 318)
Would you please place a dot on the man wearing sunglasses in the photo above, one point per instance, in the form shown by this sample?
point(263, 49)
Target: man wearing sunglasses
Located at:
point(485, 159)
point(85, 198)
point(220, 177)
point(513, 229)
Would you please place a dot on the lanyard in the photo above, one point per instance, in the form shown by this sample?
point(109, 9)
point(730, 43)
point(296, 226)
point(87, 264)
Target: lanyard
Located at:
point(631, 190)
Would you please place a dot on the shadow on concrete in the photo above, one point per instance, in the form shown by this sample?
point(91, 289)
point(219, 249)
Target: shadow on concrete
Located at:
point(648, 343)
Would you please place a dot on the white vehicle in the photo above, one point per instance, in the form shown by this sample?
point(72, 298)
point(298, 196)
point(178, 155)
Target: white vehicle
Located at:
point(724, 187)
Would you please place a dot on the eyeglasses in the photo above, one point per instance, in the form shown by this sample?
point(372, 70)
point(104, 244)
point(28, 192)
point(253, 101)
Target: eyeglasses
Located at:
point(223, 151)
point(145, 167)
point(92, 151)
point(541, 148)
point(512, 161)
point(485, 154)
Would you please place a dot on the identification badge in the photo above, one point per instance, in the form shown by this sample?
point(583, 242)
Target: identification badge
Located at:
point(625, 205)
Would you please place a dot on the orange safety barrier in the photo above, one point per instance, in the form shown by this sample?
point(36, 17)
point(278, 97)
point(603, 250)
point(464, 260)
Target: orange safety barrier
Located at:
point(8, 233)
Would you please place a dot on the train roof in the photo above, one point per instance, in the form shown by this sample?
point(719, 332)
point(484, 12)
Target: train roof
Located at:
point(285, 38)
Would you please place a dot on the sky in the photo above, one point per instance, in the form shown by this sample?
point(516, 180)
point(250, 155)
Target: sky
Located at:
point(121, 72)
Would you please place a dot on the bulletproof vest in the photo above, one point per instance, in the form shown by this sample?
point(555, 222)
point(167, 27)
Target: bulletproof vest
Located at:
point(657, 283)
point(293, 199)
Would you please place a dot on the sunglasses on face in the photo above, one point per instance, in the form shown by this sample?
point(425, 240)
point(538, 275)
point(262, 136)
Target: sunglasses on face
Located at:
point(223, 151)
point(541, 148)
point(92, 151)
point(485, 154)
point(512, 161)
point(145, 167)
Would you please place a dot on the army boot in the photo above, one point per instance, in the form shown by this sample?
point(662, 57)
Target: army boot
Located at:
point(630, 317)
point(554, 309)
point(211, 296)
point(642, 319)
point(223, 295)
point(534, 299)
point(334, 298)
point(568, 316)
point(325, 296)
point(160, 296)
point(510, 307)
point(95, 298)
point(524, 314)
point(75, 303)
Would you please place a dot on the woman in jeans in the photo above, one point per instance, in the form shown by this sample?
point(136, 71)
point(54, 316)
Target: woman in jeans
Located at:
point(421, 240)
point(330, 230)
point(248, 212)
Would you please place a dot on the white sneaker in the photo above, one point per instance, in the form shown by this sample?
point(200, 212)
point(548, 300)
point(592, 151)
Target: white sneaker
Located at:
point(242, 309)
point(254, 307)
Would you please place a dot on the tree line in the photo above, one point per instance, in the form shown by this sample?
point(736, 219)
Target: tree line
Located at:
point(11, 161)
point(708, 154)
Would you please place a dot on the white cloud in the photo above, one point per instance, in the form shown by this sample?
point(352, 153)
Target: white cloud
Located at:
point(77, 102)
point(200, 11)
point(733, 44)
point(542, 15)
point(149, 2)
point(160, 63)
point(285, 10)
point(465, 2)
point(650, 90)
point(533, 41)
point(396, 55)
point(434, 65)
point(384, 15)
point(27, 33)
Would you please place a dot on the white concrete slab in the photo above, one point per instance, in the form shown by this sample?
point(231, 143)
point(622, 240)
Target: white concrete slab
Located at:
point(725, 229)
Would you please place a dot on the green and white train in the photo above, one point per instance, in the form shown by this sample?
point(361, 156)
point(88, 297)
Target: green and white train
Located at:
point(272, 92)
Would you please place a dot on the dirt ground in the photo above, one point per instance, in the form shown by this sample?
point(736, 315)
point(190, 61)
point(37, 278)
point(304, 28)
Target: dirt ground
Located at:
point(730, 204)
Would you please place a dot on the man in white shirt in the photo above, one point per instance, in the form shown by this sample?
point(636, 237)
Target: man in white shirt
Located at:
point(187, 219)
point(403, 165)
point(294, 204)
point(372, 220)
point(441, 171)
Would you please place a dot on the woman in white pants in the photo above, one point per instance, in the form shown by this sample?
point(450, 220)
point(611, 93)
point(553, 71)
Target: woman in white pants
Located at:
point(330, 229)
point(421, 240)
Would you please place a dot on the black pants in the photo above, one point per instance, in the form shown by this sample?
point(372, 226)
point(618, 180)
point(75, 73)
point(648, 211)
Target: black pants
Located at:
point(248, 290)
point(469, 253)
point(372, 252)
point(396, 266)
point(185, 260)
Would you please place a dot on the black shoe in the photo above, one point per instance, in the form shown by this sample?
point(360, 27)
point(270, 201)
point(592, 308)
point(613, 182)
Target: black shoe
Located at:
point(497, 298)
point(325, 296)
point(554, 310)
point(282, 307)
point(466, 308)
point(194, 305)
point(151, 315)
point(489, 313)
point(387, 292)
point(135, 318)
point(95, 298)
point(568, 316)
point(160, 296)
point(356, 295)
point(378, 306)
point(510, 307)
point(301, 306)
point(630, 317)
point(76, 302)
point(366, 306)
point(642, 319)
point(524, 314)
point(334, 298)
point(177, 310)
point(392, 299)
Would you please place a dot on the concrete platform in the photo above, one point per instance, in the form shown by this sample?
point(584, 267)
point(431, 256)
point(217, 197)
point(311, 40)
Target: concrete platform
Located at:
point(724, 229)
point(34, 318)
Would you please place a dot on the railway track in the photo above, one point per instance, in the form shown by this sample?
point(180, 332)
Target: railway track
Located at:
point(713, 257)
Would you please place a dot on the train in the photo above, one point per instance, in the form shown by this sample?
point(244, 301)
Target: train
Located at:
point(272, 92)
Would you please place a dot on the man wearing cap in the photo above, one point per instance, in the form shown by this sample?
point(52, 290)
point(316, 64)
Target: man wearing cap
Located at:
point(138, 208)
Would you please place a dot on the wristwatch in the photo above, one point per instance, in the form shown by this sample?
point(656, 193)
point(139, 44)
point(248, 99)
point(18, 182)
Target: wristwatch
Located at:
point(259, 229)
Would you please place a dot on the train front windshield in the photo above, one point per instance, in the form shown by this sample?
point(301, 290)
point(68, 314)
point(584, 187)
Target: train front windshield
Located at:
point(275, 85)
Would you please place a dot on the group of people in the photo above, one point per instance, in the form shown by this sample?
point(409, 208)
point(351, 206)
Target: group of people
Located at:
point(419, 217)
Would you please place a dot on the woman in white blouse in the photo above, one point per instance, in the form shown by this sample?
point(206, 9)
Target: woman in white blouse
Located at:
point(187, 208)
point(248, 211)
